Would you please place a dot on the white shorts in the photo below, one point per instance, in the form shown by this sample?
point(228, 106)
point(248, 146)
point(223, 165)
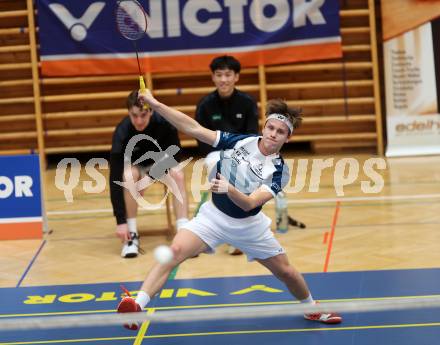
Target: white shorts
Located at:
point(252, 235)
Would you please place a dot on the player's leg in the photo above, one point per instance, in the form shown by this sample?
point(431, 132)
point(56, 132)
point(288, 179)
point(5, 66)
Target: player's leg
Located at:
point(261, 245)
point(185, 244)
point(280, 267)
point(201, 234)
point(131, 173)
point(180, 206)
point(130, 248)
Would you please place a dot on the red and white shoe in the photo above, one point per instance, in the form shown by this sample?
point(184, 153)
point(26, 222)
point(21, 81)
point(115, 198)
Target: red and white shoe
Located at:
point(128, 305)
point(327, 318)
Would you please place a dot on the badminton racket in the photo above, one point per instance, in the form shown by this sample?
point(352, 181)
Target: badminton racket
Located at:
point(131, 21)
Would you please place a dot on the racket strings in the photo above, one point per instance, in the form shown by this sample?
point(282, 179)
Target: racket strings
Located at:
point(131, 19)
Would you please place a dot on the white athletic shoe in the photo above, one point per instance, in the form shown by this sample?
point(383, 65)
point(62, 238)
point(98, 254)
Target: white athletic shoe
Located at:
point(130, 249)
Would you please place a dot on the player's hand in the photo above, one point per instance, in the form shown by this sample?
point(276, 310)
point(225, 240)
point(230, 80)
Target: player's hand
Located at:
point(220, 185)
point(122, 232)
point(145, 96)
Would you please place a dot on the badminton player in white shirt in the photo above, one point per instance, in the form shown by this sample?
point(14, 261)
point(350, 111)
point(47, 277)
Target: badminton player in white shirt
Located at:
point(249, 174)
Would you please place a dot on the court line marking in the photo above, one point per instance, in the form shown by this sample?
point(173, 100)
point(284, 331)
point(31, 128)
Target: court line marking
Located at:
point(65, 341)
point(291, 330)
point(203, 306)
point(324, 240)
point(60, 313)
point(297, 330)
point(144, 328)
point(28, 268)
point(297, 201)
point(365, 198)
point(309, 228)
point(332, 235)
point(305, 206)
point(106, 194)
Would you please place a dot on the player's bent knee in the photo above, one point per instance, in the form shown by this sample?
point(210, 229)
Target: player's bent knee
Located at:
point(178, 252)
point(286, 274)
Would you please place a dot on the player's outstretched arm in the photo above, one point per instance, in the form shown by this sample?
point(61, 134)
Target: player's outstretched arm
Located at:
point(181, 121)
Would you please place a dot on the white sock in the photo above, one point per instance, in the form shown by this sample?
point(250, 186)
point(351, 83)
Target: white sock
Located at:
point(181, 222)
point(142, 299)
point(132, 227)
point(308, 300)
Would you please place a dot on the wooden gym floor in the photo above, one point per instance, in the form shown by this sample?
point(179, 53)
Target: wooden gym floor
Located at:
point(395, 230)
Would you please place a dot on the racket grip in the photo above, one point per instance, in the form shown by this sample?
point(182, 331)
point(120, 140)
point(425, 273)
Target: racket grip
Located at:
point(141, 83)
point(142, 88)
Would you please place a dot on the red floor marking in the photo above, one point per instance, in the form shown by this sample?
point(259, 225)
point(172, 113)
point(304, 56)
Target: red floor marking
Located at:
point(332, 235)
point(324, 241)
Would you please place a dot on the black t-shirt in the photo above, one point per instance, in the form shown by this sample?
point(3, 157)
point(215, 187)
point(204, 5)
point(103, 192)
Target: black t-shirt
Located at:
point(159, 130)
point(236, 114)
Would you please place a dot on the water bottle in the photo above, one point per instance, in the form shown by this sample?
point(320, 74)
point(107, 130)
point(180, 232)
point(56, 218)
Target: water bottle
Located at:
point(282, 218)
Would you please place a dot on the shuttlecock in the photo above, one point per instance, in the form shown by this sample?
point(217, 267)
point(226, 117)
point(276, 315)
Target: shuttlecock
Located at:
point(163, 254)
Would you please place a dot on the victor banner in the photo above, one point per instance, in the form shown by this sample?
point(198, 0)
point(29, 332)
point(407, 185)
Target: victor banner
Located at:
point(81, 38)
point(21, 204)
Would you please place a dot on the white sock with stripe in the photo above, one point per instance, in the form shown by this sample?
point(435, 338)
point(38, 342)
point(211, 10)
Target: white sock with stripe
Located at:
point(142, 299)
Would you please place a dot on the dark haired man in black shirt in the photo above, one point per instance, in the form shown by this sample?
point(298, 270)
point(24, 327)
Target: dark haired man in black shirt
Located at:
point(226, 108)
point(153, 154)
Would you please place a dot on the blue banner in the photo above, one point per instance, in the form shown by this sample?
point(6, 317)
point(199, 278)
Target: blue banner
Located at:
point(81, 37)
point(20, 197)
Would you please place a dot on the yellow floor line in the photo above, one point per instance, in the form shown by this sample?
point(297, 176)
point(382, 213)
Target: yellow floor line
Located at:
point(65, 341)
point(200, 306)
point(293, 330)
point(144, 328)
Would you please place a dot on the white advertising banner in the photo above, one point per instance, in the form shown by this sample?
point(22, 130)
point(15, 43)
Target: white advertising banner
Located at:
point(413, 119)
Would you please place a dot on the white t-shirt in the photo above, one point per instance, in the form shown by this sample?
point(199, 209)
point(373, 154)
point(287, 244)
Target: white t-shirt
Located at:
point(247, 169)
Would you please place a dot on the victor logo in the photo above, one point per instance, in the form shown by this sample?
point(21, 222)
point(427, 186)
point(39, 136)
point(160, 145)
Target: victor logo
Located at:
point(19, 185)
point(77, 26)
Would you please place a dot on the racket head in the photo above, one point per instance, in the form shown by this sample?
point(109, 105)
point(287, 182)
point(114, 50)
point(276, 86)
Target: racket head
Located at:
point(131, 19)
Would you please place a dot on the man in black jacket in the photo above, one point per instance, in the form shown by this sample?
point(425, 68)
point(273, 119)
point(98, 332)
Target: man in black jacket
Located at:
point(226, 108)
point(144, 147)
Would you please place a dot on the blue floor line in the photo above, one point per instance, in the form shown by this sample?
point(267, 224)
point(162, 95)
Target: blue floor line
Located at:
point(31, 263)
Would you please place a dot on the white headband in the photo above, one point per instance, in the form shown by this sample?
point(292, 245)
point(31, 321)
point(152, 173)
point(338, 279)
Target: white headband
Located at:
point(282, 118)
